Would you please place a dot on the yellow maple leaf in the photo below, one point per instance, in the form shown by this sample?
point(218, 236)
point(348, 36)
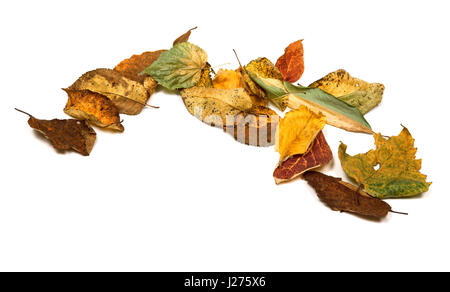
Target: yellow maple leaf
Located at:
point(297, 130)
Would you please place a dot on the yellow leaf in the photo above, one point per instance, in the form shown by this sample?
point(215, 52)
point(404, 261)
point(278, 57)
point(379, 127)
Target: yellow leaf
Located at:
point(237, 98)
point(297, 130)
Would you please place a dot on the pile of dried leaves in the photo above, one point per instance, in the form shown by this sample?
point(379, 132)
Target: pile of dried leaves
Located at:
point(238, 102)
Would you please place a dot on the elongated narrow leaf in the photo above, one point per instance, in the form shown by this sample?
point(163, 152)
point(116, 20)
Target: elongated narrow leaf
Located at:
point(338, 113)
point(274, 89)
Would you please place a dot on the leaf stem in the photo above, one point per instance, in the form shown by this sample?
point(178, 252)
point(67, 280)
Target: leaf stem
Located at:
point(23, 112)
point(396, 212)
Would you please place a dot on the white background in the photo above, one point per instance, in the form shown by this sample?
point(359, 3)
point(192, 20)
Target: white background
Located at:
point(172, 194)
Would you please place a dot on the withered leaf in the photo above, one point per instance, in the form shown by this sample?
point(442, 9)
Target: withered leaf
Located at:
point(180, 67)
point(237, 98)
point(131, 67)
point(184, 37)
point(232, 110)
point(339, 197)
point(398, 174)
point(356, 92)
point(297, 130)
point(128, 96)
point(319, 155)
point(93, 107)
point(205, 78)
point(256, 126)
point(65, 134)
point(227, 79)
point(231, 79)
point(291, 63)
point(258, 94)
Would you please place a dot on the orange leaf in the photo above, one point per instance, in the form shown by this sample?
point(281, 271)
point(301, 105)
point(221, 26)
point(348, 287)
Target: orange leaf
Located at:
point(131, 67)
point(291, 63)
point(294, 166)
point(227, 79)
point(93, 107)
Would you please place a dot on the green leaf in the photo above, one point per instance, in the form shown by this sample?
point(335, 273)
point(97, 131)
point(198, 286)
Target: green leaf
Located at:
point(180, 67)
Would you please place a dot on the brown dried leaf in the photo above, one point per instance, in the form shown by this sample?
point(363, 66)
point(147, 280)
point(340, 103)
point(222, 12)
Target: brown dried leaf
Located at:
point(319, 155)
point(130, 68)
point(291, 63)
point(65, 134)
point(184, 37)
point(128, 96)
point(341, 198)
point(93, 107)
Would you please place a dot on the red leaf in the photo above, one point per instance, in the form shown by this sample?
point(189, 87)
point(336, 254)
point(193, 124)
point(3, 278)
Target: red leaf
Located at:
point(294, 166)
point(291, 63)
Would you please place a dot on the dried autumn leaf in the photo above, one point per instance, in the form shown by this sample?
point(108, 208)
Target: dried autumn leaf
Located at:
point(338, 113)
point(297, 130)
point(205, 78)
point(231, 79)
point(258, 94)
point(231, 110)
point(65, 134)
point(227, 79)
point(128, 96)
point(256, 126)
point(339, 197)
point(180, 67)
point(184, 37)
point(93, 107)
point(319, 155)
point(356, 92)
point(262, 68)
point(398, 174)
point(131, 67)
point(237, 98)
point(291, 63)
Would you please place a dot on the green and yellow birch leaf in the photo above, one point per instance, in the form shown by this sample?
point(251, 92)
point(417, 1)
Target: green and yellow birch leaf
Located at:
point(398, 174)
point(180, 67)
point(356, 92)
